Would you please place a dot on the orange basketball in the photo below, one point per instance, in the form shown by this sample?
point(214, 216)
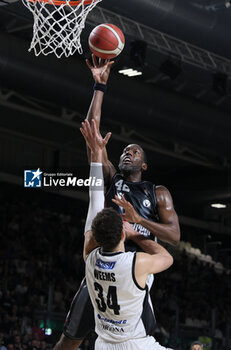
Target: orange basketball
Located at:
point(106, 41)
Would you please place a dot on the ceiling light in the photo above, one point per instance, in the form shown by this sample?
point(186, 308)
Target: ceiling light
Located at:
point(134, 73)
point(217, 5)
point(125, 71)
point(218, 205)
point(130, 72)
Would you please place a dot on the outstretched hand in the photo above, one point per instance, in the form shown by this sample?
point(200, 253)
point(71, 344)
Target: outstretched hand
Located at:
point(100, 69)
point(129, 230)
point(93, 138)
point(130, 214)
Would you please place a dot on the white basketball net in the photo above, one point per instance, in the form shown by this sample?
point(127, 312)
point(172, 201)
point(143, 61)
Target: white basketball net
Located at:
point(57, 28)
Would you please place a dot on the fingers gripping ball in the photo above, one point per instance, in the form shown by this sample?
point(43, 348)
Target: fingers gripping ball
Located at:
point(106, 41)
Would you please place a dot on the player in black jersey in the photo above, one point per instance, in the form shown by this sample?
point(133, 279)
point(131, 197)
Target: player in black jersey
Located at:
point(152, 212)
point(163, 221)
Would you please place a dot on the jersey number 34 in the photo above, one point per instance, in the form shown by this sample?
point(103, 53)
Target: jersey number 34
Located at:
point(112, 301)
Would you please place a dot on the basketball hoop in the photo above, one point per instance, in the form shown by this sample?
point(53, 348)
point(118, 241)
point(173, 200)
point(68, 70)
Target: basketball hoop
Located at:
point(58, 25)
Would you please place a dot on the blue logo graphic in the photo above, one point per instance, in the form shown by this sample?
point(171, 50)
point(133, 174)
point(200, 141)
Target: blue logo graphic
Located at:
point(102, 318)
point(105, 265)
point(33, 178)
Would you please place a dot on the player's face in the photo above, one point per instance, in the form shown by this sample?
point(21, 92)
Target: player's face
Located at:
point(131, 160)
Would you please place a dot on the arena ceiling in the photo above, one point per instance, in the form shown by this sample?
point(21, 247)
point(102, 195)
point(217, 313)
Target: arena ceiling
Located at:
point(181, 116)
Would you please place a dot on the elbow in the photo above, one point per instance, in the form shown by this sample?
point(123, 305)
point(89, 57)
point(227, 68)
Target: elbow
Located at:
point(84, 255)
point(168, 261)
point(171, 260)
point(175, 242)
point(175, 237)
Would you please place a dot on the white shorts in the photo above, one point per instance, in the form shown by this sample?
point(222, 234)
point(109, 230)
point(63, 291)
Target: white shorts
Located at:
point(133, 344)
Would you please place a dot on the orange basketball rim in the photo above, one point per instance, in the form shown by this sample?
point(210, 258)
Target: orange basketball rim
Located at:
point(61, 2)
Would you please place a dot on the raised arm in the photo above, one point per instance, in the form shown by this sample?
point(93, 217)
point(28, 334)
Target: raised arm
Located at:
point(168, 229)
point(96, 145)
point(100, 71)
point(155, 258)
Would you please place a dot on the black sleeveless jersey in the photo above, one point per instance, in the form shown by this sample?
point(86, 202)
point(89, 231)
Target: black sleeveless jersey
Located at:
point(143, 198)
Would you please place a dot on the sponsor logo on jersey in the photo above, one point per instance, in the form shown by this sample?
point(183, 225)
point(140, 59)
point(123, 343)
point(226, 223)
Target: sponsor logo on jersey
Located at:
point(109, 328)
point(105, 265)
point(111, 321)
point(142, 230)
point(146, 203)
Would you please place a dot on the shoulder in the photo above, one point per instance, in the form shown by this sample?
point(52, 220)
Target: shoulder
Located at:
point(116, 177)
point(92, 255)
point(162, 194)
point(129, 255)
point(162, 191)
point(142, 257)
point(108, 172)
point(143, 262)
point(111, 184)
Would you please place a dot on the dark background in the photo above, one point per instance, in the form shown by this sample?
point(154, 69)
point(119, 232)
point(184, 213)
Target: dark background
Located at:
point(178, 110)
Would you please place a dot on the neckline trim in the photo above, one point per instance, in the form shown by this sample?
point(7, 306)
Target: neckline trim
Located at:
point(109, 253)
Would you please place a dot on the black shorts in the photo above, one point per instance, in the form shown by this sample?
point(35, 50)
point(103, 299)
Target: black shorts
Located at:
point(80, 319)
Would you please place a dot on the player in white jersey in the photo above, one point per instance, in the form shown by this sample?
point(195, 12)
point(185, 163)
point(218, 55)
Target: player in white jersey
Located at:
point(116, 280)
point(153, 214)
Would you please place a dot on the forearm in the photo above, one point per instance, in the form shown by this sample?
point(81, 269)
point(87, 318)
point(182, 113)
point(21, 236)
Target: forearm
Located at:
point(96, 190)
point(96, 194)
point(169, 233)
point(96, 157)
point(96, 204)
point(100, 71)
point(89, 244)
point(148, 246)
point(94, 111)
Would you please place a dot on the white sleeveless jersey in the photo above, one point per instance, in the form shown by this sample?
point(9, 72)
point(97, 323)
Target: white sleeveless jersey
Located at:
point(119, 302)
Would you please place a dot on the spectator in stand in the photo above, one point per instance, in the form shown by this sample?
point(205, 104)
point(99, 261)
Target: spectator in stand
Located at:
point(17, 343)
point(26, 327)
point(10, 346)
point(38, 332)
point(196, 345)
point(2, 341)
point(6, 323)
point(35, 343)
point(25, 342)
point(43, 345)
point(23, 255)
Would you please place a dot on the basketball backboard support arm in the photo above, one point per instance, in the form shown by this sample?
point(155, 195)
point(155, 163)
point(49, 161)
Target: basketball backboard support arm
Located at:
point(163, 43)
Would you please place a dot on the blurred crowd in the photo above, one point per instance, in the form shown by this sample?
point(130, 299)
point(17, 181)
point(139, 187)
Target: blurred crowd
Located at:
point(41, 246)
point(195, 290)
